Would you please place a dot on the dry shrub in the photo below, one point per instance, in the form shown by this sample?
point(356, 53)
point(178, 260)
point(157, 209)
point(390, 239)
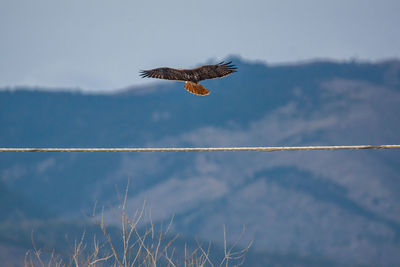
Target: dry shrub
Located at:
point(134, 247)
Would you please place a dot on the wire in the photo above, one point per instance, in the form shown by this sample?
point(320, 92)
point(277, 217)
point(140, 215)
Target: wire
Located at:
point(181, 149)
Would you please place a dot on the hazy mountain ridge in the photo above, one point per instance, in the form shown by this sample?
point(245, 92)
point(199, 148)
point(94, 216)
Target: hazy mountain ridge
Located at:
point(341, 204)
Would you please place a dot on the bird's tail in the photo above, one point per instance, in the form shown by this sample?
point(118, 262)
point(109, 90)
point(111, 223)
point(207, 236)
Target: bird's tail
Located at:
point(196, 88)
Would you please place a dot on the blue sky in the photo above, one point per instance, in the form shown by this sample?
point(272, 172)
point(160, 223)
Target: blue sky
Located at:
point(100, 45)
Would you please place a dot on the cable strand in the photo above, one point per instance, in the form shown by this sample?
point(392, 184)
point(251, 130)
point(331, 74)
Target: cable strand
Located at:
point(187, 149)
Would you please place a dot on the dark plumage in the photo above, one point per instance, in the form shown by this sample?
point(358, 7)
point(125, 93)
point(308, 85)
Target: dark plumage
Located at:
point(192, 77)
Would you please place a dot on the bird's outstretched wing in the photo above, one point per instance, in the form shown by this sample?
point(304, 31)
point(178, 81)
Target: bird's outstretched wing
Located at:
point(214, 71)
point(164, 73)
point(195, 75)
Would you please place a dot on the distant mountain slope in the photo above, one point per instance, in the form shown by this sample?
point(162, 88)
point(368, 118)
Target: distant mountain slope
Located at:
point(42, 118)
point(339, 205)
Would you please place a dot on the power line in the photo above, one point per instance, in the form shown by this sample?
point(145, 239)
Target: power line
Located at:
point(187, 149)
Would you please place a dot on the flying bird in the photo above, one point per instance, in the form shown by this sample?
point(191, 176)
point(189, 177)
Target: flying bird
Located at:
point(192, 77)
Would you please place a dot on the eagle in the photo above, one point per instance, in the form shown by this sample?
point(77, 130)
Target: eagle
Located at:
point(192, 77)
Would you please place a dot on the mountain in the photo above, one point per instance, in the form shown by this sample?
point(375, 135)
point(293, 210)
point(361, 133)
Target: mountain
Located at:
point(340, 207)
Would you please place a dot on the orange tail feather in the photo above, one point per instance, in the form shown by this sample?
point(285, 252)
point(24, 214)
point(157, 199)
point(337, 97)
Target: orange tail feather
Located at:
point(196, 88)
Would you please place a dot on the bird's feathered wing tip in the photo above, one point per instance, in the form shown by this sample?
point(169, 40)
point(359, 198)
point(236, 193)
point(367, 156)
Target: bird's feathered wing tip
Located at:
point(144, 73)
point(228, 65)
point(196, 88)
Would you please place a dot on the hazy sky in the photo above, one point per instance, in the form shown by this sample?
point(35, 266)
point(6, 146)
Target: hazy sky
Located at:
point(101, 44)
